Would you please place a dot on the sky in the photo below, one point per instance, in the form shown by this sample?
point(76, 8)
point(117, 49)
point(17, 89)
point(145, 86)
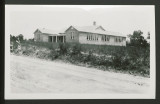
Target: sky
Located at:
point(25, 19)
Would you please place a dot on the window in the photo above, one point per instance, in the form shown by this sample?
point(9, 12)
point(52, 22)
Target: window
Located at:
point(72, 35)
point(105, 38)
point(115, 39)
point(108, 38)
point(119, 39)
point(91, 37)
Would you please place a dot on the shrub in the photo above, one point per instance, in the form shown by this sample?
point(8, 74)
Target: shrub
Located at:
point(42, 55)
point(118, 57)
point(130, 58)
point(101, 61)
point(54, 54)
point(76, 49)
point(27, 52)
point(89, 57)
point(63, 48)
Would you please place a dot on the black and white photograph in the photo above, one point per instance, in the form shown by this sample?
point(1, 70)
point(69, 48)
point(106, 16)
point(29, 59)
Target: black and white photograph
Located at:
point(80, 52)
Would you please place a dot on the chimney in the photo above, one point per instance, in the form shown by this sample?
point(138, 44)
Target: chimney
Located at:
point(94, 23)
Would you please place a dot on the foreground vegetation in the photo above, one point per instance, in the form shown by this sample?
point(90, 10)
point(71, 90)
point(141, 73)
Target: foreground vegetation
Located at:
point(128, 59)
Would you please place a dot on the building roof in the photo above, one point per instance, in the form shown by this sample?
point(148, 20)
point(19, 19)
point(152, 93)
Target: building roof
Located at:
point(94, 29)
point(47, 31)
point(51, 32)
point(90, 29)
point(87, 28)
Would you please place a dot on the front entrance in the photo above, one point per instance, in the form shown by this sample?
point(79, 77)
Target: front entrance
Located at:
point(59, 39)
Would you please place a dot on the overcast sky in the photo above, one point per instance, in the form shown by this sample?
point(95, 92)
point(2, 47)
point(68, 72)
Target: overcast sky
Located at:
point(124, 19)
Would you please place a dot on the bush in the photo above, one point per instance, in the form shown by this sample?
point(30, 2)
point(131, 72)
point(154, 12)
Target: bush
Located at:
point(118, 58)
point(76, 49)
point(42, 55)
point(130, 58)
point(63, 48)
point(54, 54)
point(27, 52)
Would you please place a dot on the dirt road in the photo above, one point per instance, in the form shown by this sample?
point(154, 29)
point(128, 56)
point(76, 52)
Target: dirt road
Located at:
point(32, 75)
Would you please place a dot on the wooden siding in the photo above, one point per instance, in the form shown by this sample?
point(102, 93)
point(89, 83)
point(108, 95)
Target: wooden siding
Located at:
point(44, 37)
point(72, 35)
point(75, 34)
point(38, 36)
point(83, 39)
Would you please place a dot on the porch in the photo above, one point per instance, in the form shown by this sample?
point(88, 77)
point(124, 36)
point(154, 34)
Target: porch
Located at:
point(57, 39)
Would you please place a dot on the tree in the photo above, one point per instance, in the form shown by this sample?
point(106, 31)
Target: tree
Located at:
point(20, 37)
point(32, 39)
point(13, 38)
point(148, 37)
point(137, 39)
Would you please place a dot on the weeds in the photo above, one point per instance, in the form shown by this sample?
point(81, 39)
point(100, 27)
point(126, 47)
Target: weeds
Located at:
point(126, 59)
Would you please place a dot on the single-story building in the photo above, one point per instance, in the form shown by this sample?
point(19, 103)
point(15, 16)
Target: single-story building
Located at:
point(84, 35)
point(46, 35)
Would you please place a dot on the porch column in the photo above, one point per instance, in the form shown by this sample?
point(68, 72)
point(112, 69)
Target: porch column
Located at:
point(56, 39)
point(52, 38)
point(63, 39)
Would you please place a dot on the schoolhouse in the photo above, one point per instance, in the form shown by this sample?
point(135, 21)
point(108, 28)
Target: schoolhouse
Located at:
point(84, 35)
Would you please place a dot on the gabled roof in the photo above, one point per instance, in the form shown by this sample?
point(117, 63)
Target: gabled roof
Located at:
point(87, 28)
point(47, 31)
point(90, 29)
point(51, 32)
point(94, 29)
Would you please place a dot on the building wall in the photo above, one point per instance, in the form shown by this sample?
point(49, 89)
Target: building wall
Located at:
point(38, 36)
point(83, 40)
point(75, 34)
point(117, 43)
point(44, 37)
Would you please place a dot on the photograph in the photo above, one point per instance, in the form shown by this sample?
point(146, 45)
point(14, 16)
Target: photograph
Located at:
point(80, 52)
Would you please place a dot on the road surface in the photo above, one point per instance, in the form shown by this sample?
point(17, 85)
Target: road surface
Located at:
point(33, 75)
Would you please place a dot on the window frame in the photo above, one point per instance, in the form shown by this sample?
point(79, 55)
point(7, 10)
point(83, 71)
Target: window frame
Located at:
point(72, 35)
